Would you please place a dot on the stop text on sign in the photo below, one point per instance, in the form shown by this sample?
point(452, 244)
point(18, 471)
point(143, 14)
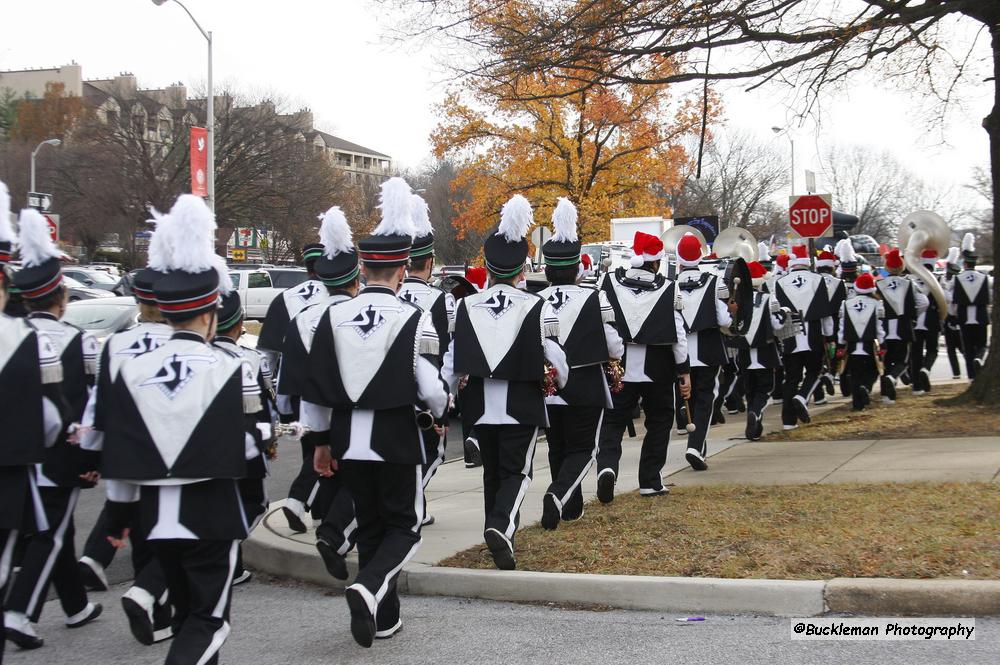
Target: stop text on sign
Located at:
point(811, 215)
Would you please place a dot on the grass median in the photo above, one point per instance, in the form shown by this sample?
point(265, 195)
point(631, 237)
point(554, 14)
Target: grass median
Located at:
point(918, 530)
point(912, 416)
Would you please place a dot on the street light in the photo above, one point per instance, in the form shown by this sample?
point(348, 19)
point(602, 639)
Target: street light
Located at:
point(791, 140)
point(51, 142)
point(210, 110)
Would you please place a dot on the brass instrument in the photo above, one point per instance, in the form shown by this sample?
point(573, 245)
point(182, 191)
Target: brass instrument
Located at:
point(616, 376)
point(879, 365)
point(922, 230)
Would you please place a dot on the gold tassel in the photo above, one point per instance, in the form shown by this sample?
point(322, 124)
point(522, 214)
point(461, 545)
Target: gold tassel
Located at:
point(551, 329)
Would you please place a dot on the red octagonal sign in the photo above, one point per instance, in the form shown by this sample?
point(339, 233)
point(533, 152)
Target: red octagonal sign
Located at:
point(810, 215)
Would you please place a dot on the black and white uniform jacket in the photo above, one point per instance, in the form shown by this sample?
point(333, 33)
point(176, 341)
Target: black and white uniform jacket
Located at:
point(64, 462)
point(372, 361)
point(438, 304)
point(30, 417)
point(929, 319)
point(805, 292)
point(183, 430)
point(648, 318)
point(267, 416)
point(901, 306)
point(836, 292)
point(281, 310)
point(503, 338)
point(296, 347)
point(971, 298)
point(861, 325)
point(588, 339)
point(758, 348)
point(704, 317)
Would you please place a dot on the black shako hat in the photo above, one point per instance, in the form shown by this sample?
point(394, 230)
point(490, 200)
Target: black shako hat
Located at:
point(41, 271)
point(7, 236)
point(194, 275)
point(338, 264)
point(563, 248)
point(423, 232)
point(230, 311)
point(506, 249)
point(390, 243)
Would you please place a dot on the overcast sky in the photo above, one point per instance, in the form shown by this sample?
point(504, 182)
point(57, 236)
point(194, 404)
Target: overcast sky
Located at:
point(328, 55)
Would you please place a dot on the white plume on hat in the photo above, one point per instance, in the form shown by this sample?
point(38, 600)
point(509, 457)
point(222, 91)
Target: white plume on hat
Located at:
point(515, 219)
point(189, 241)
point(953, 254)
point(397, 209)
point(845, 251)
point(763, 251)
point(158, 252)
point(6, 230)
point(35, 243)
point(335, 233)
point(421, 214)
point(564, 221)
point(968, 243)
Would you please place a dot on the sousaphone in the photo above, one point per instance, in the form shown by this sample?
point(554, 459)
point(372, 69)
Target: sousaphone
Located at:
point(922, 230)
point(735, 247)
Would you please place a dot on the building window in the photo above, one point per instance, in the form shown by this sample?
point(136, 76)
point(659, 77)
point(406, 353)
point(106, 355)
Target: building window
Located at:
point(164, 130)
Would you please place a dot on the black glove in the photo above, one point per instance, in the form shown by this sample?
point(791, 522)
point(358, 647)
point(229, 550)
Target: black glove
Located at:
point(317, 438)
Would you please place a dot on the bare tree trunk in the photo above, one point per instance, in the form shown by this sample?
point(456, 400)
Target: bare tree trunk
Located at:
point(986, 387)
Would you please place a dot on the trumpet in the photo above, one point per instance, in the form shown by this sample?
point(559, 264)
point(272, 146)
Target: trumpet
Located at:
point(294, 430)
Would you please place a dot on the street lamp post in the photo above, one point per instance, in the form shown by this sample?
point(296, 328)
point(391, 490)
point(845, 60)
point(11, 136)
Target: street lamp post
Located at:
point(210, 104)
point(791, 140)
point(51, 142)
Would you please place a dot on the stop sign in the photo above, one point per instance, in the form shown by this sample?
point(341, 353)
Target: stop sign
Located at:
point(53, 223)
point(810, 215)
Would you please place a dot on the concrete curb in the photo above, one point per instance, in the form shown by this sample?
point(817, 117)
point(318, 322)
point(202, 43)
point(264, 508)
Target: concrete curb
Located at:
point(890, 597)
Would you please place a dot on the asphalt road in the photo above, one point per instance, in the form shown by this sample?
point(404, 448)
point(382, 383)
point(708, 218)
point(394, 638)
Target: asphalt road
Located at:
point(278, 624)
point(283, 470)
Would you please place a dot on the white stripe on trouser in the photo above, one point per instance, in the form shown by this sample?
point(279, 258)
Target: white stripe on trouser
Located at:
point(57, 543)
point(805, 400)
point(526, 472)
point(7, 556)
point(219, 638)
point(418, 508)
point(312, 496)
point(41, 519)
point(438, 459)
point(346, 546)
point(586, 469)
point(703, 449)
point(418, 502)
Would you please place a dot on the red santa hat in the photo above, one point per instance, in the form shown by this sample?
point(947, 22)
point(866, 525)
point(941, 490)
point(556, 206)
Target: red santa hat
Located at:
point(689, 250)
point(826, 258)
point(758, 273)
point(646, 248)
point(476, 275)
point(781, 262)
point(586, 265)
point(800, 256)
point(865, 283)
point(929, 257)
point(893, 259)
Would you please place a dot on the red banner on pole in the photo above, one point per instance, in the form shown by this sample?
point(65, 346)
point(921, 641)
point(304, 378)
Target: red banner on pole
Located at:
point(199, 161)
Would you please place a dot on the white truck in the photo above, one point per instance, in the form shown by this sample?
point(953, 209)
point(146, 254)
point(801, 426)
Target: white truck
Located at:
point(623, 228)
point(258, 287)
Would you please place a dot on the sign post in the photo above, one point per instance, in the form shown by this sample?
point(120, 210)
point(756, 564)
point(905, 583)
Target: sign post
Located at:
point(539, 235)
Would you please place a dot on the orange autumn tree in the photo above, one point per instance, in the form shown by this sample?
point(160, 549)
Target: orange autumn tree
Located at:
point(614, 152)
point(55, 115)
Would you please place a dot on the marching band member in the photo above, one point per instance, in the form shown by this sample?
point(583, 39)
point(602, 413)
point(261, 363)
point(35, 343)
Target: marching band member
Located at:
point(648, 318)
point(758, 355)
point(848, 274)
point(971, 301)
point(503, 339)
point(416, 289)
point(926, 330)
point(65, 469)
point(339, 271)
point(477, 276)
point(704, 314)
point(902, 304)
point(952, 328)
point(860, 334)
point(589, 341)
point(31, 418)
point(305, 487)
point(826, 265)
point(183, 430)
point(372, 360)
point(803, 291)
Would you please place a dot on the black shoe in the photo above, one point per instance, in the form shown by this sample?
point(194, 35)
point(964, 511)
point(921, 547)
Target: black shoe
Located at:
point(718, 417)
point(550, 512)
point(755, 427)
point(335, 564)
point(695, 459)
point(242, 578)
point(139, 621)
point(92, 575)
point(23, 640)
point(295, 522)
point(657, 491)
point(888, 389)
point(95, 611)
point(801, 410)
point(473, 457)
point(500, 549)
point(362, 620)
point(428, 520)
point(827, 383)
point(388, 633)
point(606, 486)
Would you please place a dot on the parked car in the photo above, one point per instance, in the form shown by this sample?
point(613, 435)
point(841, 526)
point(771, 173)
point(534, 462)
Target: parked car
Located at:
point(257, 290)
point(284, 278)
point(113, 269)
point(92, 277)
point(78, 291)
point(103, 316)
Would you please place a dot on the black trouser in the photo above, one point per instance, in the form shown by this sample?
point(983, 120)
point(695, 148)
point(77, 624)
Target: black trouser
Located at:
point(802, 370)
point(730, 393)
point(779, 384)
point(897, 357)
point(704, 392)
point(953, 341)
point(863, 375)
point(658, 406)
point(50, 556)
point(508, 456)
point(758, 384)
point(973, 347)
point(199, 575)
point(434, 448)
point(339, 527)
point(253, 494)
point(572, 435)
point(8, 539)
point(389, 503)
point(306, 486)
point(923, 354)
